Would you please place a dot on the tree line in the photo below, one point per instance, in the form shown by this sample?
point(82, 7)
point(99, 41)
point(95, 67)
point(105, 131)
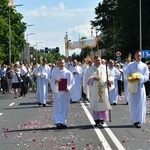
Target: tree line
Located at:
point(119, 22)
point(11, 30)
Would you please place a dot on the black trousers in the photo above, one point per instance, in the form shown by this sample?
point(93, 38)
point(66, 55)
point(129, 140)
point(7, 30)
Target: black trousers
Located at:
point(147, 88)
point(23, 86)
point(4, 84)
point(120, 87)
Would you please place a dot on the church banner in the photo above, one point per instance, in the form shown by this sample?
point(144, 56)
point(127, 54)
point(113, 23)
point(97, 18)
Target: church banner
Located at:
point(91, 42)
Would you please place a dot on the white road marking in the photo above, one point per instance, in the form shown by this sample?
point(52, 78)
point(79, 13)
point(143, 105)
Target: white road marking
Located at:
point(1, 114)
point(12, 104)
point(111, 135)
point(98, 132)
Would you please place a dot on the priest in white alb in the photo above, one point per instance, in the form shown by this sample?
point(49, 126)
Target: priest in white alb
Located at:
point(43, 73)
point(76, 90)
point(99, 81)
point(114, 93)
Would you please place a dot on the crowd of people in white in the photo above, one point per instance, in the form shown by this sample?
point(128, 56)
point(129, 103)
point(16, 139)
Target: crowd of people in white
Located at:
point(102, 83)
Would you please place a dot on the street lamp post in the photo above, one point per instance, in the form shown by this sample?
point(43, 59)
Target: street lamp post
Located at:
point(26, 41)
point(28, 35)
point(25, 53)
point(36, 51)
point(30, 25)
point(140, 25)
point(9, 38)
point(10, 31)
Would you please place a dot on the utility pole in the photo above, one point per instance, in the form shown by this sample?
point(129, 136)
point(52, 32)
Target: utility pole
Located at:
point(140, 25)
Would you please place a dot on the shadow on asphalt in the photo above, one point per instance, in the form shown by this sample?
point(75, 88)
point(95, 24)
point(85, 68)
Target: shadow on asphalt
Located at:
point(117, 126)
point(28, 103)
point(51, 128)
point(27, 107)
point(81, 127)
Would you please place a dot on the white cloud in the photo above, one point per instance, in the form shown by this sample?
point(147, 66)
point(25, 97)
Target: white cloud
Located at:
point(51, 24)
point(41, 11)
point(59, 11)
point(61, 7)
point(81, 30)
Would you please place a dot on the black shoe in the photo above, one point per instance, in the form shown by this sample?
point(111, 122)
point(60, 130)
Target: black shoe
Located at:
point(61, 126)
point(19, 96)
point(97, 123)
point(3, 92)
point(114, 103)
point(58, 126)
point(73, 102)
point(44, 105)
point(39, 104)
point(127, 103)
point(102, 121)
point(137, 125)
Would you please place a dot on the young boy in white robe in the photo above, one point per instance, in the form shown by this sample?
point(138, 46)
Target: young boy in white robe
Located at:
point(61, 97)
point(137, 94)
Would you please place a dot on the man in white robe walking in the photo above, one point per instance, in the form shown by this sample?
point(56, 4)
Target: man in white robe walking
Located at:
point(86, 87)
point(137, 95)
point(76, 90)
point(43, 75)
point(114, 93)
point(61, 98)
point(96, 77)
point(69, 63)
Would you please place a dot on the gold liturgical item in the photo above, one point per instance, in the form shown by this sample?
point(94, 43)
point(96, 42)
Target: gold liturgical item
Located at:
point(100, 86)
point(134, 77)
point(100, 93)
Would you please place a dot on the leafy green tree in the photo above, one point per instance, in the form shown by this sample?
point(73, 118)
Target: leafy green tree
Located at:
point(128, 14)
point(51, 57)
point(105, 21)
point(76, 57)
point(16, 35)
point(125, 15)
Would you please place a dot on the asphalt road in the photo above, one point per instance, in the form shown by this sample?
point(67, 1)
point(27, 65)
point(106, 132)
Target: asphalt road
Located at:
point(26, 126)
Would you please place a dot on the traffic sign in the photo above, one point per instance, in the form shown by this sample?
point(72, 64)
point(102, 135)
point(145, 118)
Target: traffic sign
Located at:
point(118, 58)
point(118, 53)
point(145, 53)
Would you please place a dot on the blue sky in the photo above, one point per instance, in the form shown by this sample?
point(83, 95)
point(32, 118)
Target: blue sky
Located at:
point(53, 18)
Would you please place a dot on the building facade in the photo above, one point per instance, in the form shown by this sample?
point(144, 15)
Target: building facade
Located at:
point(11, 3)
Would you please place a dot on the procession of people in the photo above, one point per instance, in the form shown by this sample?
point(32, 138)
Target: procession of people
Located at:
point(69, 80)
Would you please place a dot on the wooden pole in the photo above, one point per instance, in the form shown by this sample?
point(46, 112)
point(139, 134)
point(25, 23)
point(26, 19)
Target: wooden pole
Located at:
point(66, 45)
point(108, 92)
